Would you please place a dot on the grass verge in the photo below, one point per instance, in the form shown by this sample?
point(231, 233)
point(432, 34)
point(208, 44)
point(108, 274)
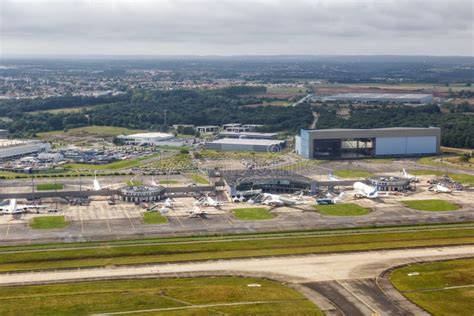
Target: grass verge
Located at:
point(346, 209)
point(154, 218)
point(252, 213)
point(431, 205)
point(48, 222)
point(460, 177)
point(134, 182)
point(441, 288)
point(184, 294)
point(40, 257)
point(49, 186)
point(196, 178)
point(168, 182)
point(352, 174)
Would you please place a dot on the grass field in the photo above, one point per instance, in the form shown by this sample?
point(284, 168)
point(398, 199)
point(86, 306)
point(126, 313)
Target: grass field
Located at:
point(199, 179)
point(135, 182)
point(352, 174)
point(66, 110)
point(252, 213)
point(441, 288)
point(48, 222)
point(184, 295)
point(39, 257)
point(94, 130)
point(154, 218)
point(345, 209)
point(168, 182)
point(460, 177)
point(431, 205)
point(453, 161)
point(49, 186)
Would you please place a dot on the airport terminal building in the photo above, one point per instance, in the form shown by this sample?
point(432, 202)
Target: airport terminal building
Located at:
point(342, 143)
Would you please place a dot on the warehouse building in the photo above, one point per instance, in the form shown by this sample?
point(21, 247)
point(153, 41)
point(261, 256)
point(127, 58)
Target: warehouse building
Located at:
point(249, 135)
point(244, 144)
point(363, 143)
point(144, 138)
point(207, 129)
point(14, 148)
point(409, 98)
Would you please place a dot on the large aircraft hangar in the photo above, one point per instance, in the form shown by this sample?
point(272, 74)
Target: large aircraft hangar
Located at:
point(341, 143)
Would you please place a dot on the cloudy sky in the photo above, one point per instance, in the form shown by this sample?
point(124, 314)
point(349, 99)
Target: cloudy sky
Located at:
point(237, 27)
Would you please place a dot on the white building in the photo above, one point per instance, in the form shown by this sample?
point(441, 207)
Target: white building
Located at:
point(12, 148)
point(145, 138)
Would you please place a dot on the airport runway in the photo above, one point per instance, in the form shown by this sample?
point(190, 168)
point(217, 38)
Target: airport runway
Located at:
point(348, 279)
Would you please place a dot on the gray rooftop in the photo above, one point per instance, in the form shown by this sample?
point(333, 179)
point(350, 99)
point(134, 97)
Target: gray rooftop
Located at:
point(247, 141)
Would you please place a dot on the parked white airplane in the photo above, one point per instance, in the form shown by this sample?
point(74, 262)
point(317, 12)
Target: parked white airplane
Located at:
point(278, 200)
point(208, 201)
point(153, 182)
point(197, 212)
point(438, 188)
point(408, 176)
point(364, 190)
point(333, 178)
point(14, 208)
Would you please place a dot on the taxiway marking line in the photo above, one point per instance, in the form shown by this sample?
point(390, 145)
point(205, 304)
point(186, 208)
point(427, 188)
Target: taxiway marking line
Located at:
point(130, 220)
point(8, 230)
point(107, 221)
point(80, 218)
point(177, 217)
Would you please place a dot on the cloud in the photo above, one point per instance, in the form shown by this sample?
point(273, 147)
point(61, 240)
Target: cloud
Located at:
point(242, 26)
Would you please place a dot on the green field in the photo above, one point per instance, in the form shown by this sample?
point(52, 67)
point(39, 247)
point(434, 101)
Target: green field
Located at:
point(134, 182)
point(48, 222)
point(154, 218)
point(352, 174)
point(431, 205)
point(13, 258)
point(441, 288)
point(49, 186)
point(252, 213)
point(168, 182)
point(94, 130)
point(184, 296)
point(345, 209)
point(460, 177)
point(199, 179)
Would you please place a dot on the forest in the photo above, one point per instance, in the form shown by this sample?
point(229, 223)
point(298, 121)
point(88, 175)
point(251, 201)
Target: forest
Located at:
point(145, 110)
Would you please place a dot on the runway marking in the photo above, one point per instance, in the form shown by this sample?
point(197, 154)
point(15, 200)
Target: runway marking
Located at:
point(130, 220)
point(8, 230)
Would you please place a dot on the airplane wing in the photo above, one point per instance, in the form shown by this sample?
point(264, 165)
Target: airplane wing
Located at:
point(25, 207)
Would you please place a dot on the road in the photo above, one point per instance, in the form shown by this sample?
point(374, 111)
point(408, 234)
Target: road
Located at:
point(347, 279)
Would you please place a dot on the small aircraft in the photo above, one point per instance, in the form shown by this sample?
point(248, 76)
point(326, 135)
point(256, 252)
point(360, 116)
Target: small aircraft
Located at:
point(329, 200)
point(14, 208)
point(165, 207)
point(153, 182)
point(438, 188)
point(365, 191)
point(197, 212)
point(408, 176)
point(278, 200)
